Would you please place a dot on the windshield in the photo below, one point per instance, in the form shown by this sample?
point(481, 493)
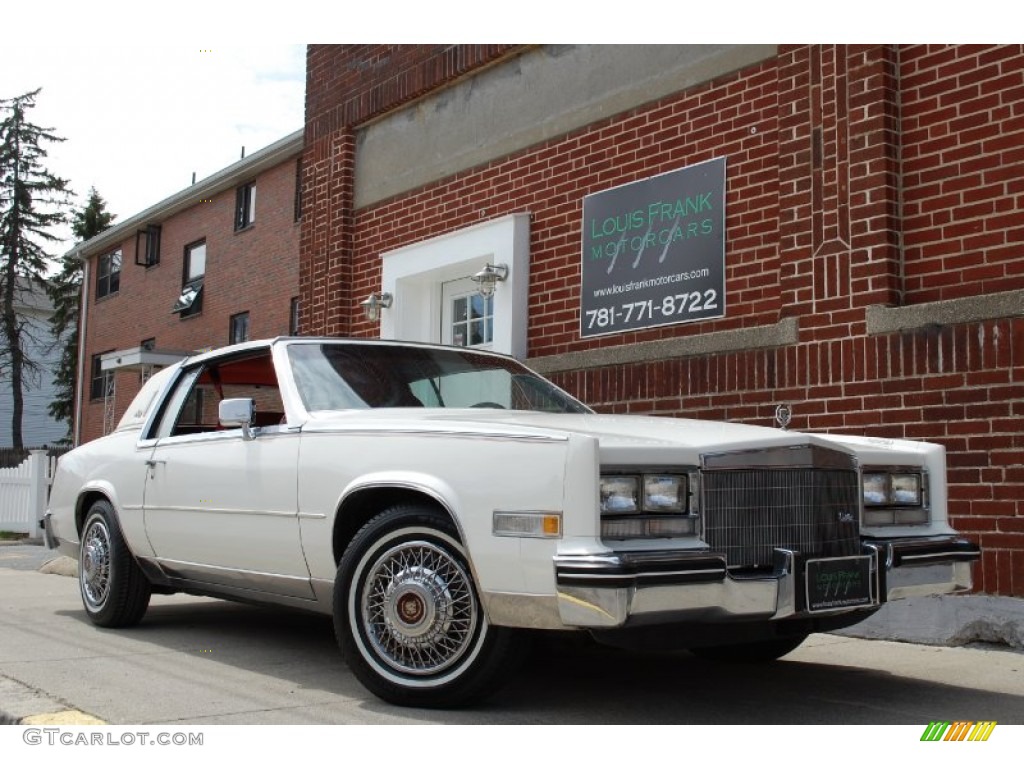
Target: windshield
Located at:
point(342, 376)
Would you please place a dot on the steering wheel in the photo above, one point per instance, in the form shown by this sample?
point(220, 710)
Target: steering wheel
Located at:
point(487, 404)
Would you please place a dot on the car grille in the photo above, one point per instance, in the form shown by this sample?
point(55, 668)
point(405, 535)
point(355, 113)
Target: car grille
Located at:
point(748, 513)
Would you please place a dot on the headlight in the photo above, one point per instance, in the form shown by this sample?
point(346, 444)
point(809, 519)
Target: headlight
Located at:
point(620, 494)
point(665, 493)
point(895, 497)
point(654, 505)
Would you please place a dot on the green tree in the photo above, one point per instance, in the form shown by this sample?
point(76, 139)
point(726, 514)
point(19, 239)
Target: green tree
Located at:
point(32, 201)
point(66, 293)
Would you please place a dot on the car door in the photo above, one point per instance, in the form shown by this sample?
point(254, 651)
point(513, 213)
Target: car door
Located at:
point(221, 509)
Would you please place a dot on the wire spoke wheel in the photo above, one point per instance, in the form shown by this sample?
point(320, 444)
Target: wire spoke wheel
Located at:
point(94, 573)
point(114, 590)
point(419, 608)
point(408, 617)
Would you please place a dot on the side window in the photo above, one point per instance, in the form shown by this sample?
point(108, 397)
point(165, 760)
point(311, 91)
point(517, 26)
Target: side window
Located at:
point(245, 205)
point(190, 302)
point(238, 328)
point(99, 380)
point(108, 274)
point(193, 408)
point(147, 246)
point(172, 405)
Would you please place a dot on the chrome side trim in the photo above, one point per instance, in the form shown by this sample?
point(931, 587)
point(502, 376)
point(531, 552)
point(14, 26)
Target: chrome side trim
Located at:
point(226, 511)
point(635, 569)
point(311, 429)
point(526, 611)
point(253, 581)
point(240, 594)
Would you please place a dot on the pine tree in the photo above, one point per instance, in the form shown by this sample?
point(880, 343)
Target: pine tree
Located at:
point(66, 292)
point(32, 200)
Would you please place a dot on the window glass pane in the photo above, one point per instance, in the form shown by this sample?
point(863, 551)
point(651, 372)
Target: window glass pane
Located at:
point(239, 328)
point(196, 261)
point(344, 376)
point(478, 305)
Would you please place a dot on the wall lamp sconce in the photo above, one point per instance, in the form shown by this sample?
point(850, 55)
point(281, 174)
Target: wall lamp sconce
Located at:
point(374, 303)
point(488, 278)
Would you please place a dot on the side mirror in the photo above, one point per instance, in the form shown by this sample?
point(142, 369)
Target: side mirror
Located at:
point(238, 412)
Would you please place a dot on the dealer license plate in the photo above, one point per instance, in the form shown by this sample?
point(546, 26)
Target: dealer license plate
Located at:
point(838, 582)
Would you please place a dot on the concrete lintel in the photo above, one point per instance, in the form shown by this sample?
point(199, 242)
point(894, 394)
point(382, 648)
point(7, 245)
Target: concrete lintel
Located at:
point(139, 356)
point(970, 309)
point(484, 117)
point(762, 337)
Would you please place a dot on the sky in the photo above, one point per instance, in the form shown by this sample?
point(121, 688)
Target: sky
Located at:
point(139, 121)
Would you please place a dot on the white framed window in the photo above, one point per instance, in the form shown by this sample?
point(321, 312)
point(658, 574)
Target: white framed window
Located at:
point(423, 309)
point(467, 317)
point(108, 275)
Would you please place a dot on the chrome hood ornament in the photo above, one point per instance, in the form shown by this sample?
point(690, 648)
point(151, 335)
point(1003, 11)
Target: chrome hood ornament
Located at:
point(783, 415)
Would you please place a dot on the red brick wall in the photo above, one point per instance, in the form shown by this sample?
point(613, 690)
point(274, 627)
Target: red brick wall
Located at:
point(963, 173)
point(856, 176)
point(347, 85)
point(254, 270)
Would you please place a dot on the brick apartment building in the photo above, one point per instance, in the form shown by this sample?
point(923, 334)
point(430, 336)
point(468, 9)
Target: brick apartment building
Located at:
point(855, 213)
point(215, 263)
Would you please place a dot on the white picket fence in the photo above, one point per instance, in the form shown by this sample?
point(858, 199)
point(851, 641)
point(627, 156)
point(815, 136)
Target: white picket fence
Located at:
point(23, 493)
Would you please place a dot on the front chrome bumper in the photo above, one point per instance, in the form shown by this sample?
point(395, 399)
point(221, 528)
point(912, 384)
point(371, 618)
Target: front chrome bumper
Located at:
point(617, 588)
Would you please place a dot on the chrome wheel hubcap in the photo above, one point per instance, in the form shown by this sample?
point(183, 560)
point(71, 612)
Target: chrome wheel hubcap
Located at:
point(95, 567)
point(418, 608)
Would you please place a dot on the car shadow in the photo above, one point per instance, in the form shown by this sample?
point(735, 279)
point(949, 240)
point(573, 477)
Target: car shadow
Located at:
point(566, 679)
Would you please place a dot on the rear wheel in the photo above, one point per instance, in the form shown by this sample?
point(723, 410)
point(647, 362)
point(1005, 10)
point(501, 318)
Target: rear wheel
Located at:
point(751, 653)
point(114, 590)
point(408, 617)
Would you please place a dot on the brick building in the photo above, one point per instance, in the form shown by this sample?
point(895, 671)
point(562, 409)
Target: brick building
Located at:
point(870, 248)
point(203, 268)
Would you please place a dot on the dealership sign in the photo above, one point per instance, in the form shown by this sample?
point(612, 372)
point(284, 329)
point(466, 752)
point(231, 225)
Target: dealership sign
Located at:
point(654, 251)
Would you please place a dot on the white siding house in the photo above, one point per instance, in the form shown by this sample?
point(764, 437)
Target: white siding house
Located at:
point(38, 429)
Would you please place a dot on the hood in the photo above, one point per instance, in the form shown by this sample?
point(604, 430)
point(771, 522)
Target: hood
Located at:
point(623, 439)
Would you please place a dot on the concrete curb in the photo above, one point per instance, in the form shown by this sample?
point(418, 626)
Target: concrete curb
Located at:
point(28, 706)
point(951, 620)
